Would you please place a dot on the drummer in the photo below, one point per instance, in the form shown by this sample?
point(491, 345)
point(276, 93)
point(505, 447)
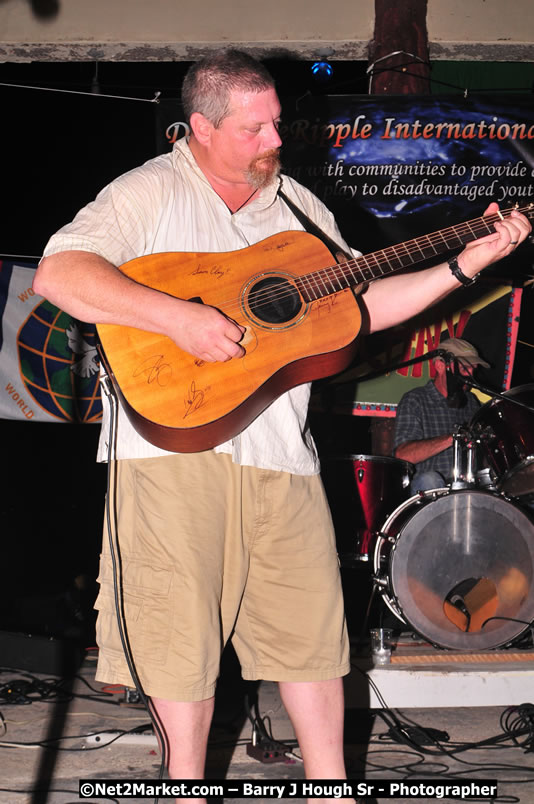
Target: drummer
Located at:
point(428, 416)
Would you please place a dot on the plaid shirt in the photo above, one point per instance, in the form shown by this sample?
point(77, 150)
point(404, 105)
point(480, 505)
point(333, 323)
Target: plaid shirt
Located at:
point(424, 413)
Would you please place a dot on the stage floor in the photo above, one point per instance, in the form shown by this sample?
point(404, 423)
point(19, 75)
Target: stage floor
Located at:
point(423, 695)
point(418, 672)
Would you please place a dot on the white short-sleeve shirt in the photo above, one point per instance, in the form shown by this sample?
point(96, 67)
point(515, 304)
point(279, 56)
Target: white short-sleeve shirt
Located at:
point(167, 204)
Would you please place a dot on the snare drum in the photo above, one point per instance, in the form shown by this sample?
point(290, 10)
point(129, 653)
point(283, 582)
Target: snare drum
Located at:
point(506, 435)
point(442, 540)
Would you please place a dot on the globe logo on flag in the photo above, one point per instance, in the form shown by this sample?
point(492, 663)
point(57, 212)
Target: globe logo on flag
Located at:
point(59, 364)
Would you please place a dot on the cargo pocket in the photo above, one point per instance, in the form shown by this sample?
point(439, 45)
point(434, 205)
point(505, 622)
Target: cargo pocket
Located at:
point(147, 610)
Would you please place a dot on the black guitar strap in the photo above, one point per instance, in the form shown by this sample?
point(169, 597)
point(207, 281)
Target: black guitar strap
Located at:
point(312, 228)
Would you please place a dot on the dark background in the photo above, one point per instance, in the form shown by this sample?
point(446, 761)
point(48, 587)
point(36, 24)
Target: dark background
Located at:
point(58, 150)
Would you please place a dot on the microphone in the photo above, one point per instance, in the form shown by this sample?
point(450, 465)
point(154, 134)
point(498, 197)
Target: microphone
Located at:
point(456, 397)
point(452, 374)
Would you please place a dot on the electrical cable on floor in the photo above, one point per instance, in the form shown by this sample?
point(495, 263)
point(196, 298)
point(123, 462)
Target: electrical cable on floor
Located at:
point(426, 743)
point(420, 768)
point(518, 722)
point(49, 691)
point(54, 740)
point(416, 736)
point(27, 688)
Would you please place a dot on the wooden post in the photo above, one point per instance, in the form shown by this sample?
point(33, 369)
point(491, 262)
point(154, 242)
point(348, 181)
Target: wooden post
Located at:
point(399, 54)
point(399, 62)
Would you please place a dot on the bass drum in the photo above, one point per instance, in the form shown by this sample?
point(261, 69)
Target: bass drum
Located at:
point(462, 552)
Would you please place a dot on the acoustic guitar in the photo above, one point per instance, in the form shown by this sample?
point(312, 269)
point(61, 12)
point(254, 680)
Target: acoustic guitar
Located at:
point(302, 320)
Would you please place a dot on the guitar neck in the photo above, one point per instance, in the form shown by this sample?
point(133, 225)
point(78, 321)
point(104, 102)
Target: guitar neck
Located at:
point(368, 267)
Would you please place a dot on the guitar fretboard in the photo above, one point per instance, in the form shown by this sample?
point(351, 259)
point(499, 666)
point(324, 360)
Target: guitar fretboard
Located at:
point(368, 267)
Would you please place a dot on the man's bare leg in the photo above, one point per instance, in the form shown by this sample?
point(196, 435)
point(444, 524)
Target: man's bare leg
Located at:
point(317, 710)
point(186, 727)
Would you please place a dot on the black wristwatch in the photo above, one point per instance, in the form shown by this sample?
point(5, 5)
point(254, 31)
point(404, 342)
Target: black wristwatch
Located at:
point(459, 274)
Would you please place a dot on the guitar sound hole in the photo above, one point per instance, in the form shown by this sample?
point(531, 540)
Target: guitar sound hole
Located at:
point(274, 300)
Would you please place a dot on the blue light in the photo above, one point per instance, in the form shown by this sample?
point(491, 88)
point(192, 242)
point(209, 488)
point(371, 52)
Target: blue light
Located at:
point(322, 70)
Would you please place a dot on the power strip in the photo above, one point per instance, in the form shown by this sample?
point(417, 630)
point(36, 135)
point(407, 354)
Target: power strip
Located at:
point(106, 737)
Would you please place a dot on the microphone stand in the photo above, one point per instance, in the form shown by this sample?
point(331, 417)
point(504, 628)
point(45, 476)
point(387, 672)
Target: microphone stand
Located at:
point(327, 389)
point(373, 375)
point(447, 356)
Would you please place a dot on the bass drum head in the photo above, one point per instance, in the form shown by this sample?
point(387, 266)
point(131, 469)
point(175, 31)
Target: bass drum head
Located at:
point(445, 540)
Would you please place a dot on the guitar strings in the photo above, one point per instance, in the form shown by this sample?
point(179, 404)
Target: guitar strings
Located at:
point(333, 279)
point(383, 259)
point(338, 271)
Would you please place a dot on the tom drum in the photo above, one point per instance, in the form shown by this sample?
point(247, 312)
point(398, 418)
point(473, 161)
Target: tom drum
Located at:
point(506, 434)
point(381, 483)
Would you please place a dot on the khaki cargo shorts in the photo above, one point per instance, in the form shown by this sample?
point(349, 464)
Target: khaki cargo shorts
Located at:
point(212, 551)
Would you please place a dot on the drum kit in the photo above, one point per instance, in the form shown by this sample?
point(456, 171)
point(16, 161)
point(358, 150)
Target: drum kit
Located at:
point(456, 564)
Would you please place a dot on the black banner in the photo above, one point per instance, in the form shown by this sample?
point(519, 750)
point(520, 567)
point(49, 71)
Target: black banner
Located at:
point(397, 167)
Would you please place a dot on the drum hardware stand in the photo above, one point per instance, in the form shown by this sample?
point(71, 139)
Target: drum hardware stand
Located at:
point(363, 632)
point(465, 442)
point(462, 440)
point(378, 583)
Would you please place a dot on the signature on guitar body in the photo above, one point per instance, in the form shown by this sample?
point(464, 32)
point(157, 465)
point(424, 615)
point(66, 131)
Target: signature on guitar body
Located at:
point(154, 369)
point(194, 399)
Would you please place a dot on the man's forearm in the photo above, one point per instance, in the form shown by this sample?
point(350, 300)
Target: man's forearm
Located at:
point(417, 451)
point(91, 289)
